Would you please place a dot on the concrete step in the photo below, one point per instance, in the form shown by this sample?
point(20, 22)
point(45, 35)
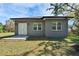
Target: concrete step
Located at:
point(17, 37)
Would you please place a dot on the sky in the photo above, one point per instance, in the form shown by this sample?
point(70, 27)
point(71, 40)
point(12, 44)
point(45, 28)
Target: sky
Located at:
point(10, 10)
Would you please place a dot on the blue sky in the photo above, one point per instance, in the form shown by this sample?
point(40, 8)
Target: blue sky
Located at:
point(9, 10)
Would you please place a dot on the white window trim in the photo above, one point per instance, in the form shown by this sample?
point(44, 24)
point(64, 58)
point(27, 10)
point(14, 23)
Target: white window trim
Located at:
point(57, 26)
point(37, 27)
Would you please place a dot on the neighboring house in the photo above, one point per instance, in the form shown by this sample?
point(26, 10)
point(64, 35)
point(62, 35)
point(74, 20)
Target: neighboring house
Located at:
point(46, 26)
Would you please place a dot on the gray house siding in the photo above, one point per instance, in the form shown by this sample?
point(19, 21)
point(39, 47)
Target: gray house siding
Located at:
point(50, 33)
point(31, 32)
point(46, 26)
point(16, 28)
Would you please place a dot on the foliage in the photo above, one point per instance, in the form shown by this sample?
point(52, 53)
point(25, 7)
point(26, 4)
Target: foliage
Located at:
point(57, 8)
point(62, 8)
point(9, 26)
point(73, 38)
point(75, 26)
point(67, 9)
point(56, 48)
point(1, 27)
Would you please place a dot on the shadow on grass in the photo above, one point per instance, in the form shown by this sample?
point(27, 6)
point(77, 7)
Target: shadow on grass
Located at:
point(55, 48)
point(44, 42)
point(45, 39)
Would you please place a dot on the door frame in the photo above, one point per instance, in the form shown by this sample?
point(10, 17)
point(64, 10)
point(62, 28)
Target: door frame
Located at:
point(22, 27)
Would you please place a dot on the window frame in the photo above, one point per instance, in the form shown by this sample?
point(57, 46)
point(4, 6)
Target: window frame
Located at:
point(57, 26)
point(37, 25)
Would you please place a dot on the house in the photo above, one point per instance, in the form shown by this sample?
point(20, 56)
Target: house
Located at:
point(47, 26)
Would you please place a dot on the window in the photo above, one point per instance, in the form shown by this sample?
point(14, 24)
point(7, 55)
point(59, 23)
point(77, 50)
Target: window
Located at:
point(37, 26)
point(56, 26)
point(59, 26)
point(53, 26)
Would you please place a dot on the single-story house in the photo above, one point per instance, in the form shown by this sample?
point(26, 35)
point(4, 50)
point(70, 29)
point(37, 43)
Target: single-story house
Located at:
point(47, 26)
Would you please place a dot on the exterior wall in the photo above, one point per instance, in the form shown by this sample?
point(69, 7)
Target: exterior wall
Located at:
point(16, 28)
point(50, 33)
point(30, 31)
point(46, 28)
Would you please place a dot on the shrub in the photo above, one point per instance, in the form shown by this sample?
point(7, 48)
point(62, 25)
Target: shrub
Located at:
point(74, 38)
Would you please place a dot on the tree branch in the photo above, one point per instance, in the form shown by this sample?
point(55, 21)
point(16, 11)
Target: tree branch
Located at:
point(71, 7)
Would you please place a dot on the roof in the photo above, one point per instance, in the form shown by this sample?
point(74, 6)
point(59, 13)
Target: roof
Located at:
point(40, 17)
point(57, 17)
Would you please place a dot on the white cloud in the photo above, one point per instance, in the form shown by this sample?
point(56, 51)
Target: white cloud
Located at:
point(26, 6)
point(22, 10)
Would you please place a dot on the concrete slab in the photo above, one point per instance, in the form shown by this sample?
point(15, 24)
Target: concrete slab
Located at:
point(17, 37)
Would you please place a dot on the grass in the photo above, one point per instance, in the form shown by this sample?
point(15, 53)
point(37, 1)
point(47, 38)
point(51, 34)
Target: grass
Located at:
point(31, 47)
point(26, 48)
point(6, 34)
point(9, 47)
point(73, 38)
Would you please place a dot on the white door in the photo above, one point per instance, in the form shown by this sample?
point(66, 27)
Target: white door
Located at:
point(22, 28)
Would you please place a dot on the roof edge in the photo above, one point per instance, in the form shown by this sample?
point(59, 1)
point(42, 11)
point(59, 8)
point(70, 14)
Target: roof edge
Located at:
point(43, 17)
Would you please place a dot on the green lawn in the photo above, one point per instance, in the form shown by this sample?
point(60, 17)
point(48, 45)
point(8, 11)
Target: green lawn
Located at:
point(6, 34)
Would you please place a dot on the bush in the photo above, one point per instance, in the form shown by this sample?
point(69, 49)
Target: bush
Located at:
point(73, 38)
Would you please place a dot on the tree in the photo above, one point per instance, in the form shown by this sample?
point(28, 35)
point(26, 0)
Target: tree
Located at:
point(67, 9)
point(1, 27)
point(75, 26)
point(10, 26)
point(58, 8)
point(4, 28)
